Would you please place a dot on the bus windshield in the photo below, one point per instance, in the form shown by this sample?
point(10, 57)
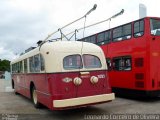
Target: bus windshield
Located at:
point(155, 26)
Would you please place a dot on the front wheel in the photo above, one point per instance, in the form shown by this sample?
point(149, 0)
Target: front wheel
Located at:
point(34, 98)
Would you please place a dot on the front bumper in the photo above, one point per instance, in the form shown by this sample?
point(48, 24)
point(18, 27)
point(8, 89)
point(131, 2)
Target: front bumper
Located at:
point(83, 100)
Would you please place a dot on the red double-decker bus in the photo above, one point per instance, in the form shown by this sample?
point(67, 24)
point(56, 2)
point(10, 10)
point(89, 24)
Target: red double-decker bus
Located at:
point(132, 53)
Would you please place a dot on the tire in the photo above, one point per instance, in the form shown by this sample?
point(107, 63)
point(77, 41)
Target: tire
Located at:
point(34, 98)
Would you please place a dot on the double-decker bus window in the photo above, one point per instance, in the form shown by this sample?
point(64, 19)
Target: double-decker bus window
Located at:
point(127, 31)
point(87, 39)
point(107, 36)
point(109, 64)
point(122, 33)
point(72, 62)
point(104, 37)
point(25, 66)
point(37, 63)
point(100, 37)
point(155, 26)
point(93, 39)
point(127, 63)
point(138, 28)
point(117, 34)
point(91, 61)
point(122, 63)
point(42, 62)
point(31, 64)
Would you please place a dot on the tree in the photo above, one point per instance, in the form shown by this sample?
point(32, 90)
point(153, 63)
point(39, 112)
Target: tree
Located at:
point(4, 65)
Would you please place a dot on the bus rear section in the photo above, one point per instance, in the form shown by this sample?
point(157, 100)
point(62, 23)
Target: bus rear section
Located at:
point(62, 75)
point(154, 48)
point(82, 80)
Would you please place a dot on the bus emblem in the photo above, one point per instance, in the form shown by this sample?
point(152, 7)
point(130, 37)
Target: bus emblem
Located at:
point(67, 80)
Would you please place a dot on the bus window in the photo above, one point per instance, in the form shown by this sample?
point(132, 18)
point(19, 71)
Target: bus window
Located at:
point(21, 67)
point(93, 39)
point(31, 64)
point(37, 63)
point(100, 37)
point(109, 64)
point(91, 61)
point(127, 31)
point(155, 26)
point(87, 39)
point(117, 34)
point(72, 62)
point(107, 36)
point(127, 63)
point(25, 66)
point(104, 37)
point(122, 63)
point(122, 33)
point(138, 28)
point(42, 62)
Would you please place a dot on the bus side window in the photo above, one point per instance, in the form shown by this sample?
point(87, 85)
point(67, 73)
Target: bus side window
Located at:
point(138, 28)
point(155, 26)
point(21, 66)
point(122, 63)
point(31, 64)
point(109, 64)
point(122, 32)
point(25, 66)
point(117, 34)
point(37, 63)
point(127, 31)
point(93, 39)
point(100, 38)
point(42, 63)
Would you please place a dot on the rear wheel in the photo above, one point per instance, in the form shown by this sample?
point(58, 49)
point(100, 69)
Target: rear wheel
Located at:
point(34, 98)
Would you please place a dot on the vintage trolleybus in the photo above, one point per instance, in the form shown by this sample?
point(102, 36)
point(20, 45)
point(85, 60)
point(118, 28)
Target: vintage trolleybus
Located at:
point(62, 74)
point(132, 52)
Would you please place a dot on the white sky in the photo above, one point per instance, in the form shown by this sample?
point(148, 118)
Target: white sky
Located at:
point(24, 22)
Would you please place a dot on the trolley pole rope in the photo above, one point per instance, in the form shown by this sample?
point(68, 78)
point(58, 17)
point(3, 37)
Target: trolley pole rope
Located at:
point(120, 13)
point(94, 7)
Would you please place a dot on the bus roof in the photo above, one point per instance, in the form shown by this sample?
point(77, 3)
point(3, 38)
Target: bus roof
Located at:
point(54, 52)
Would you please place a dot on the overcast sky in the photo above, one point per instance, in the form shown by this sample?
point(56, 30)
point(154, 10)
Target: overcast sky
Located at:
point(24, 22)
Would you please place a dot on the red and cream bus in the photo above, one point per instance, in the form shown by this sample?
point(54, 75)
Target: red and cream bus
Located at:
point(132, 52)
point(62, 74)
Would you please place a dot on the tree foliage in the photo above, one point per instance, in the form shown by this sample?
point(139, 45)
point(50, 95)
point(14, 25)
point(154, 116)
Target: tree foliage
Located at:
point(4, 65)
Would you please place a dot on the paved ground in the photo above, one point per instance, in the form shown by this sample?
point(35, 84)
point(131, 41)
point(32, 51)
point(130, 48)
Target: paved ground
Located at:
point(12, 106)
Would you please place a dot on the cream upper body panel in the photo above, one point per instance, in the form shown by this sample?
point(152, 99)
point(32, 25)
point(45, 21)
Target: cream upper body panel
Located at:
point(54, 53)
